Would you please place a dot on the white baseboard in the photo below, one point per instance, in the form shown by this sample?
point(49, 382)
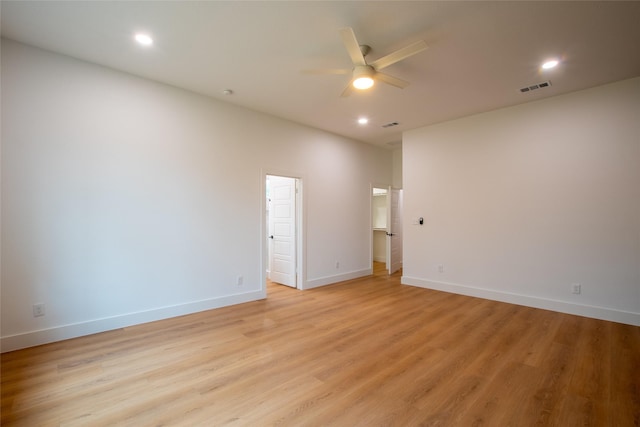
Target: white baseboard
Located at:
point(59, 333)
point(603, 313)
point(328, 280)
point(380, 259)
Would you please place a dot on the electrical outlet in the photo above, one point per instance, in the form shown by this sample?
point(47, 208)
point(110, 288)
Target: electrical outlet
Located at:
point(440, 268)
point(337, 264)
point(576, 288)
point(239, 281)
point(38, 310)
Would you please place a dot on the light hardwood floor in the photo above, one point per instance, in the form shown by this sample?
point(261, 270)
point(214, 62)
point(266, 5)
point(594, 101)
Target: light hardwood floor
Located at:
point(368, 352)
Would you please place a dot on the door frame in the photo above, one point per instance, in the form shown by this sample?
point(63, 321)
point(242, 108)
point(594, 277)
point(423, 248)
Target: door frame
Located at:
point(396, 232)
point(300, 222)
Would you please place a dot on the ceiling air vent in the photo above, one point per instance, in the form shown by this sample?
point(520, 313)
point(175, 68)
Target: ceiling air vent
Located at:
point(535, 86)
point(388, 125)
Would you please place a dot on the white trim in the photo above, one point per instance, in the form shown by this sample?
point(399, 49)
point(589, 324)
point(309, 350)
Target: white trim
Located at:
point(59, 333)
point(602, 313)
point(329, 280)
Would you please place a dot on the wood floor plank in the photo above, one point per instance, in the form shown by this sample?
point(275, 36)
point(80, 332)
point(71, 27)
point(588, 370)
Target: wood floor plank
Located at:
point(625, 358)
point(366, 352)
point(592, 374)
point(500, 401)
point(547, 390)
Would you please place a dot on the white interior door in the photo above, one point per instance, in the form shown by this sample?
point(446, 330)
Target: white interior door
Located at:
point(394, 230)
point(282, 230)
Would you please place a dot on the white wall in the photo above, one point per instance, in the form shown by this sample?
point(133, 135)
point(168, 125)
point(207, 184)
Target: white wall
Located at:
point(125, 200)
point(522, 202)
point(397, 168)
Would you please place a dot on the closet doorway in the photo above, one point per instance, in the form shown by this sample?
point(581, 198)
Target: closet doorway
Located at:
point(386, 220)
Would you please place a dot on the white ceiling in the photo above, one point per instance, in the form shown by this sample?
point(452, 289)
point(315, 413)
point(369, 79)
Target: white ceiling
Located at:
point(480, 53)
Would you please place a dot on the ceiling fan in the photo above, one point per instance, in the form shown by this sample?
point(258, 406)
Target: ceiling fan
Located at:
point(364, 74)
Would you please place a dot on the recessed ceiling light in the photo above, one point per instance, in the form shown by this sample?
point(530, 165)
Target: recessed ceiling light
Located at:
point(363, 120)
point(550, 64)
point(144, 39)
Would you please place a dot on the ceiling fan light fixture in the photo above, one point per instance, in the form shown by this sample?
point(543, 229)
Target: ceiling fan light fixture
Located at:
point(363, 83)
point(363, 77)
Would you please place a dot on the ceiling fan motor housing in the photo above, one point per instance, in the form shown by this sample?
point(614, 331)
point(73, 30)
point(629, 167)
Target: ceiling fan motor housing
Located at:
point(363, 71)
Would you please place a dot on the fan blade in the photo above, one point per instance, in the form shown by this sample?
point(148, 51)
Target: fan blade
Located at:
point(353, 48)
point(399, 55)
point(347, 90)
point(393, 81)
point(328, 71)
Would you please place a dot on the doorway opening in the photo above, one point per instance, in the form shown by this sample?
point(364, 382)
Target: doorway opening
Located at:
point(283, 239)
point(386, 221)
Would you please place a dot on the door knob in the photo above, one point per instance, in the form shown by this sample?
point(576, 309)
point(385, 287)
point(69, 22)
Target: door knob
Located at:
point(271, 237)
